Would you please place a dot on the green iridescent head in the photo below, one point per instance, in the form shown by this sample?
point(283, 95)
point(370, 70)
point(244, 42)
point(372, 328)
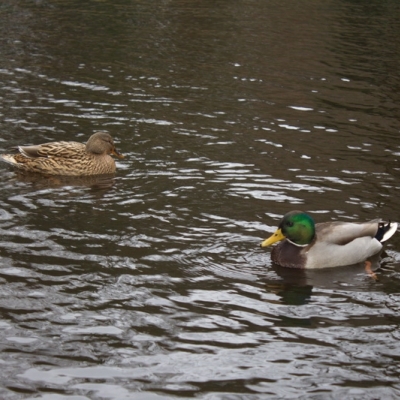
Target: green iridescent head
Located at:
point(298, 227)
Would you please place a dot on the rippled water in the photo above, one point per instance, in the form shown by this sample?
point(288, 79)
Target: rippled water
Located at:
point(151, 284)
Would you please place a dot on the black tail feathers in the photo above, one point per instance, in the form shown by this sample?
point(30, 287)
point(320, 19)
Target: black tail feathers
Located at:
point(385, 231)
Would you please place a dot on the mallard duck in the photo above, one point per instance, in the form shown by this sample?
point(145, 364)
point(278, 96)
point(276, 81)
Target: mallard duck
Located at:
point(67, 158)
point(329, 244)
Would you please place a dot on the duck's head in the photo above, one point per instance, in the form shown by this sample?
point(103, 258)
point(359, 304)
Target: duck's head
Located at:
point(102, 143)
point(296, 226)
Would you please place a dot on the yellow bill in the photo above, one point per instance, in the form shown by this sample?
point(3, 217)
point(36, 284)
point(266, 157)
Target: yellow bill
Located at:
point(275, 237)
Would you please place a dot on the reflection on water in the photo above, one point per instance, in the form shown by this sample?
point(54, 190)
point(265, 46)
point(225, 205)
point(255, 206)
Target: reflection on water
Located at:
point(95, 182)
point(231, 115)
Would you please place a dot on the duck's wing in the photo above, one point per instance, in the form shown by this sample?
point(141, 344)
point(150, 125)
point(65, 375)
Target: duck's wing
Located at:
point(343, 243)
point(342, 233)
point(52, 149)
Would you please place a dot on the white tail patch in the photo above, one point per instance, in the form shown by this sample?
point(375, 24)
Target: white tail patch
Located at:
point(391, 230)
point(8, 158)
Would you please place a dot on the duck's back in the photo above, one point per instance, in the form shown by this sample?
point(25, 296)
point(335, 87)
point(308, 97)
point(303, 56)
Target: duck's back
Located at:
point(53, 149)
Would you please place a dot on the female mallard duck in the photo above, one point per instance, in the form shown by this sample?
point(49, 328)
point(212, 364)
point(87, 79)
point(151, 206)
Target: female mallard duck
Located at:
point(67, 158)
point(328, 244)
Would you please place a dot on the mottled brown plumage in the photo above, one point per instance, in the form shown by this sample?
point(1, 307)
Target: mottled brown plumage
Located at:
point(67, 158)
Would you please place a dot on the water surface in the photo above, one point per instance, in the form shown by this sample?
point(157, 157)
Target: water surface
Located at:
point(152, 284)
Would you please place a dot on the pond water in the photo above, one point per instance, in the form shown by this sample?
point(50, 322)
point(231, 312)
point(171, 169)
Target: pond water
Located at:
point(151, 284)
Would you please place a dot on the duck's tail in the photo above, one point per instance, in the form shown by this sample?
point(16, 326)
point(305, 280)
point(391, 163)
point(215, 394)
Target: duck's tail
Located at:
point(8, 158)
point(385, 231)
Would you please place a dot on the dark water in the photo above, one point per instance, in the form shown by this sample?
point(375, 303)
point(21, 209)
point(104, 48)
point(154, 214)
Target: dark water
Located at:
point(230, 113)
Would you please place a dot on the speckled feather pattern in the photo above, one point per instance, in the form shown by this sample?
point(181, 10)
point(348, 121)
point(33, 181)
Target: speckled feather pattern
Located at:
point(64, 158)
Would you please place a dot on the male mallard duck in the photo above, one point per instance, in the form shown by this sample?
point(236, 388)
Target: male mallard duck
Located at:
point(67, 158)
point(328, 244)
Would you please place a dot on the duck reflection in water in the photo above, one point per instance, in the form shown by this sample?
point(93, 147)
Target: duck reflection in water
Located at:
point(93, 182)
point(295, 286)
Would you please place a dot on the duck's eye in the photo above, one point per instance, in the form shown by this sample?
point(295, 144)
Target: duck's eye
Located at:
point(289, 224)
